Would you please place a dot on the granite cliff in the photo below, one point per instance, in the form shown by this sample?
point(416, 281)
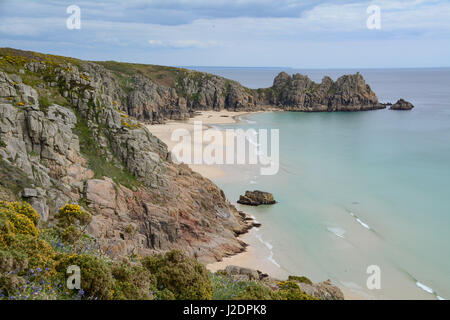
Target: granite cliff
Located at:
point(299, 93)
point(66, 137)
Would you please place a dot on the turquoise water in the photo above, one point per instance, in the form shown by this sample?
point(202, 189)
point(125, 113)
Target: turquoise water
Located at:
point(360, 189)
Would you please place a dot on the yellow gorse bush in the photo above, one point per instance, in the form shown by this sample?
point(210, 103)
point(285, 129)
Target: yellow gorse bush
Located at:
point(17, 218)
point(22, 208)
point(72, 213)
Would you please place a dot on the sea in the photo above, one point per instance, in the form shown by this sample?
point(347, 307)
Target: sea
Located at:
point(363, 198)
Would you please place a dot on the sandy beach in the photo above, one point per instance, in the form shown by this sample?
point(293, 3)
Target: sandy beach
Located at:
point(257, 255)
point(252, 257)
point(208, 118)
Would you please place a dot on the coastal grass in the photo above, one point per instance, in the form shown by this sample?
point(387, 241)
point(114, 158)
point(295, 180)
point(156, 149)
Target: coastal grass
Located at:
point(97, 160)
point(162, 75)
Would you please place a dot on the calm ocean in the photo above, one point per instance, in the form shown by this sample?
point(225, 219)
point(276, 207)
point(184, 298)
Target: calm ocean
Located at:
point(358, 189)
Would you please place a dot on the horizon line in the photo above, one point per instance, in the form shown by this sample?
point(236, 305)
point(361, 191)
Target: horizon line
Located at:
point(303, 68)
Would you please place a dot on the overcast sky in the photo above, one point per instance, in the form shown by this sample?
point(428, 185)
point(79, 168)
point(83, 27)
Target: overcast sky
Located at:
point(288, 33)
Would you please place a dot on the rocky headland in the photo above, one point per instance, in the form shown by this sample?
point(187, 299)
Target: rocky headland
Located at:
point(66, 137)
point(71, 132)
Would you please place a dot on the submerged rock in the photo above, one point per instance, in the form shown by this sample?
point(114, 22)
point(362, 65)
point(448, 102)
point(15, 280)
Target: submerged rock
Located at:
point(402, 105)
point(256, 198)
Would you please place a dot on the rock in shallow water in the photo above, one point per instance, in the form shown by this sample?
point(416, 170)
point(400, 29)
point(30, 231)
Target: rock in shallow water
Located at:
point(256, 198)
point(402, 105)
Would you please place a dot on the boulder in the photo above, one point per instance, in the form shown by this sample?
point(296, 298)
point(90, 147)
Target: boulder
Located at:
point(29, 193)
point(256, 198)
point(323, 290)
point(402, 105)
point(243, 274)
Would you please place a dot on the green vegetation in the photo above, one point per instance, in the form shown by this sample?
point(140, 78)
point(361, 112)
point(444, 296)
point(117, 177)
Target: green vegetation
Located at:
point(290, 290)
point(34, 263)
point(257, 291)
point(184, 277)
point(300, 279)
point(166, 76)
point(332, 90)
point(97, 160)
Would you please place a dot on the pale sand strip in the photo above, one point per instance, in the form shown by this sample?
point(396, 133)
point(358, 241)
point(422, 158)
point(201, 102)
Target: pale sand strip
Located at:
point(256, 254)
point(164, 132)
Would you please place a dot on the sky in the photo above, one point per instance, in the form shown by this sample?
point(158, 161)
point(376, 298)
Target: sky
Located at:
point(255, 33)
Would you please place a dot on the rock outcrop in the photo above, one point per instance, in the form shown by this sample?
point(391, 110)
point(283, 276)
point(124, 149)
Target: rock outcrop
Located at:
point(64, 125)
point(299, 93)
point(323, 290)
point(402, 105)
point(256, 198)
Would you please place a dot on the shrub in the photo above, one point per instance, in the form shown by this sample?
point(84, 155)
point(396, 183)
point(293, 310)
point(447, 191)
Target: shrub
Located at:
point(300, 279)
point(44, 101)
point(12, 260)
point(164, 294)
point(185, 277)
point(10, 284)
point(291, 291)
point(132, 282)
point(72, 214)
point(226, 288)
point(72, 220)
point(19, 236)
point(23, 208)
point(96, 278)
point(38, 252)
point(16, 218)
point(257, 291)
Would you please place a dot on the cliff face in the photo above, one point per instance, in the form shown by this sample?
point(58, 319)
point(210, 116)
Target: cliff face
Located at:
point(63, 130)
point(148, 100)
point(154, 94)
point(299, 93)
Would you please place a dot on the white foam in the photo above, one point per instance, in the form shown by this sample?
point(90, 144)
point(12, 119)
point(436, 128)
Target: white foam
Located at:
point(440, 298)
point(268, 245)
point(339, 232)
point(253, 182)
point(424, 287)
point(363, 224)
point(271, 259)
